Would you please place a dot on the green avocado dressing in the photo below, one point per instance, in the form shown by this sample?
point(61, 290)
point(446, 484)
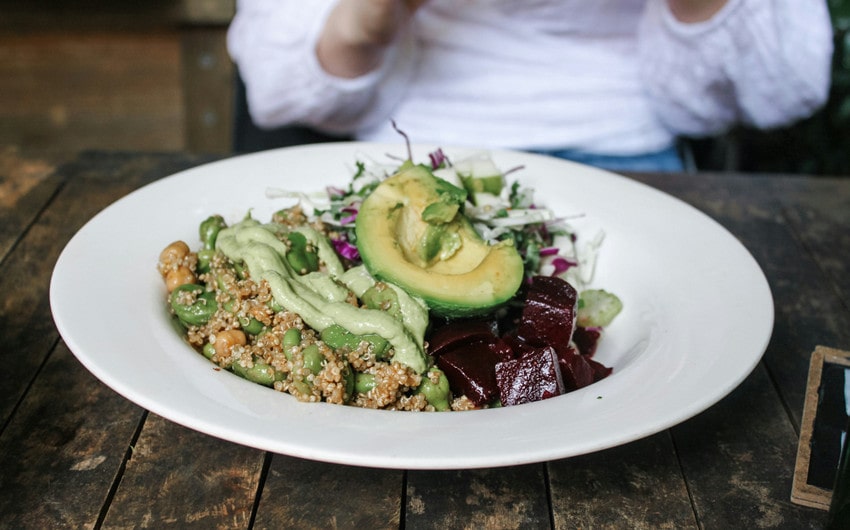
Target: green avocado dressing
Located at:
point(319, 297)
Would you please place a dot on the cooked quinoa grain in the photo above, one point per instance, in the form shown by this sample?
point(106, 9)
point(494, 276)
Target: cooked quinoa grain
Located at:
point(247, 334)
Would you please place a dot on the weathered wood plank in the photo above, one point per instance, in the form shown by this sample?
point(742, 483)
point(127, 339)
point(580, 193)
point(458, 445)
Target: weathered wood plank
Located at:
point(26, 184)
point(180, 478)
point(27, 325)
point(62, 450)
point(510, 497)
point(37, 15)
point(732, 484)
point(825, 232)
point(638, 486)
point(305, 494)
point(105, 89)
point(738, 458)
point(69, 434)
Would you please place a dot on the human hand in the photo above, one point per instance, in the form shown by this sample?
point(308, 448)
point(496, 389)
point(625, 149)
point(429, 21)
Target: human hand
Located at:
point(691, 11)
point(358, 31)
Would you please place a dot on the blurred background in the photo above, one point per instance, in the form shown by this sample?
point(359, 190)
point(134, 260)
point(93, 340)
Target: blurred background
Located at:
point(154, 75)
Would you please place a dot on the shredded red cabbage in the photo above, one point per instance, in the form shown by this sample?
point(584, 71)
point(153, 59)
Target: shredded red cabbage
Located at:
point(438, 159)
point(346, 249)
point(562, 264)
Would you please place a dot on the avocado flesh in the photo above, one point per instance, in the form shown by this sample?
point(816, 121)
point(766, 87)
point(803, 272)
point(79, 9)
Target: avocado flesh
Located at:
point(445, 262)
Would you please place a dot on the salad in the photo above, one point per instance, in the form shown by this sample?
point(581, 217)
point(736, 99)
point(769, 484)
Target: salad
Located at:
point(415, 286)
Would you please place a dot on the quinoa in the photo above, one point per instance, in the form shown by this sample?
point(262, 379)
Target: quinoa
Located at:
point(247, 313)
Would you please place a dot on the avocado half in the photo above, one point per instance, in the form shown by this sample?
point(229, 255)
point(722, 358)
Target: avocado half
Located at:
point(411, 232)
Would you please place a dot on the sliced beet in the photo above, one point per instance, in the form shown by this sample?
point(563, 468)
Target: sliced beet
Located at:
point(600, 371)
point(532, 377)
point(470, 369)
point(457, 333)
point(587, 339)
point(549, 315)
point(576, 370)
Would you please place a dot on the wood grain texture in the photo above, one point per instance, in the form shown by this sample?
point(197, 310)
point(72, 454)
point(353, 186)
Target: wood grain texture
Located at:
point(94, 181)
point(26, 184)
point(75, 454)
point(180, 478)
point(302, 494)
point(61, 452)
point(738, 458)
point(38, 15)
point(98, 89)
point(638, 486)
point(510, 497)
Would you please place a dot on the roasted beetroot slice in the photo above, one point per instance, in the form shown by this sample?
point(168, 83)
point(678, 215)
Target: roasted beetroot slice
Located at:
point(587, 339)
point(458, 333)
point(502, 349)
point(470, 370)
point(600, 371)
point(549, 315)
point(576, 370)
point(532, 377)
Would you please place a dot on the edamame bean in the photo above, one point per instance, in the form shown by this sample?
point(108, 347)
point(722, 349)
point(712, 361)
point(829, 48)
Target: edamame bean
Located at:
point(338, 337)
point(312, 358)
point(291, 339)
point(437, 394)
point(302, 257)
point(199, 311)
point(204, 259)
point(260, 372)
point(364, 382)
point(209, 230)
point(251, 325)
point(208, 350)
point(383, 298)
point(348, 377)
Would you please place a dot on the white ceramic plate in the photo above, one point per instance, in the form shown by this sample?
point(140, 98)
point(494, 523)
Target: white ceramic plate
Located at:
point(698, 315)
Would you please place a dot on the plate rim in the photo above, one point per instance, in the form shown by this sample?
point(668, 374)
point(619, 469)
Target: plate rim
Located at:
point(398, 461)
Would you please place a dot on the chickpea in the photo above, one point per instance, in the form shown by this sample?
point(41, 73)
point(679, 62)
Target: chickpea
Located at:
point(179, 276)
point(227, 339)
point(174, 253)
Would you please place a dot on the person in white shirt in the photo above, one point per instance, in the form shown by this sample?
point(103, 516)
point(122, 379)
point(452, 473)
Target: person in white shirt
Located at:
point(612, 83)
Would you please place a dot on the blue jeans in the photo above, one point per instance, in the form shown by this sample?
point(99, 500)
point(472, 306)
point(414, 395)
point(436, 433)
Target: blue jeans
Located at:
point(666, 160)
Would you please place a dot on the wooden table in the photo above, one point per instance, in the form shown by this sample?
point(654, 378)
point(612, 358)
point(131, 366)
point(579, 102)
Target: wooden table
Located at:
point(74, 454)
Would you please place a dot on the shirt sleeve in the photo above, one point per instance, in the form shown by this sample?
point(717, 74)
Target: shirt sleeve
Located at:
point(764, 63)
point(273, 43)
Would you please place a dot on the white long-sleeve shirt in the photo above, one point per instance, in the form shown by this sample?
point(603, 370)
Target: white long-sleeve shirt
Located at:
point(603, 76)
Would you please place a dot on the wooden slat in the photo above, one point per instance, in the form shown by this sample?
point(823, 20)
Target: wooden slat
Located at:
point(70, 91)
point(38, 15)
point(179, 478)
point(63, 449)
point(305, 494)
point(27, 324)
point(825, 231)
point(637, 486)
point(731, 452)
point(738, 458)
point(26, 184)
point(511, 497)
